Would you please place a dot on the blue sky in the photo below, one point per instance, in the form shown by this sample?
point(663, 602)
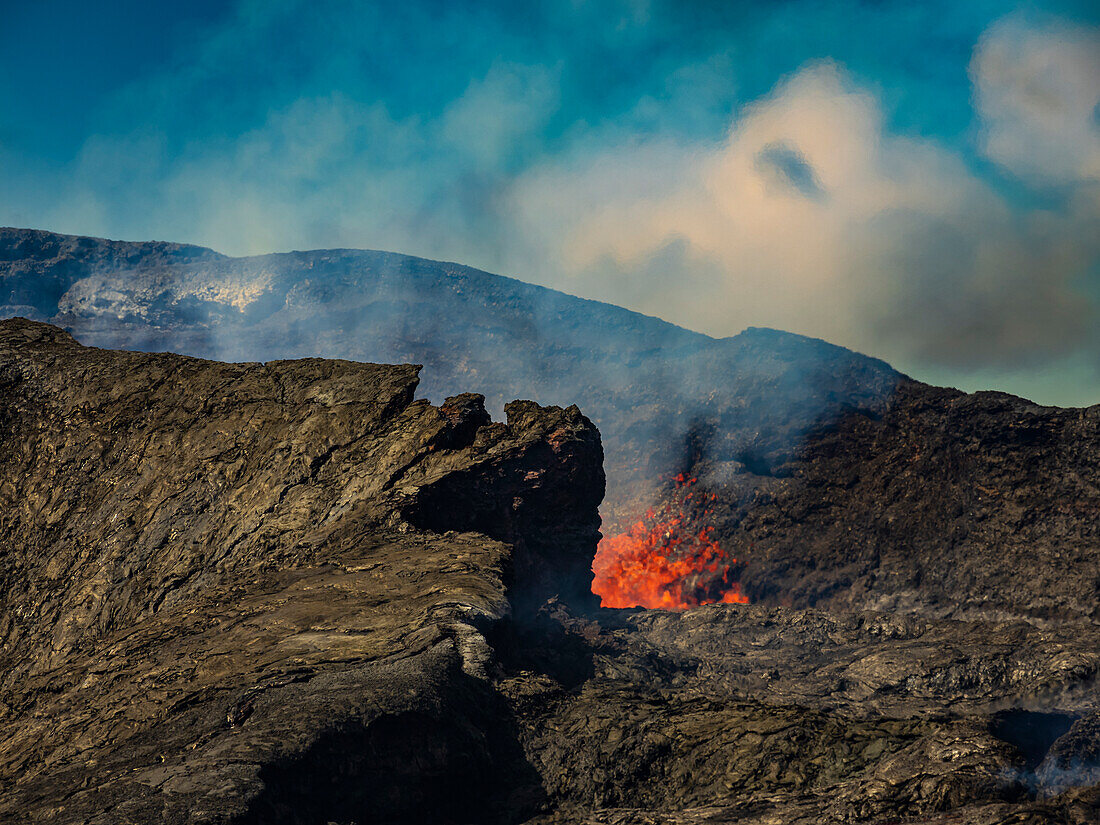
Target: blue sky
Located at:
point(915, 180)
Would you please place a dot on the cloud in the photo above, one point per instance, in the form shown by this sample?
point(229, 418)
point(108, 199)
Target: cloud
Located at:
point(812, 216)
point(1037, 90)
point(584, 147)
point(498, 114)
point(321, 171)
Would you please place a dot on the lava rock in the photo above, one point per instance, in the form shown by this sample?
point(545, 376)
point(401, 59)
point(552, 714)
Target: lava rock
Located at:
point(771, 715)
point(222, 601)
point(839, 482)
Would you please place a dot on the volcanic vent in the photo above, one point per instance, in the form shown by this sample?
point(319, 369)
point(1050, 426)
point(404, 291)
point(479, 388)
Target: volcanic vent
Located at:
point(668, 558)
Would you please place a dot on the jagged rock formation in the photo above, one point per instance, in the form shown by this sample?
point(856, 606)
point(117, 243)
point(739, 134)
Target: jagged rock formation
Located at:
point(840, 483)
point(292, 593)
point(234, 592)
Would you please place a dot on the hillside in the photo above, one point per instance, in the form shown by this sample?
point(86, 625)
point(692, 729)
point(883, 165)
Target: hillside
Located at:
point(213, 573)
point(822, 477)
point(643, 381)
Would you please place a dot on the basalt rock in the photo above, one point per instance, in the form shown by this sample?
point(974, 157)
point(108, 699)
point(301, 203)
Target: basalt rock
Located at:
point(946, 504)
point(258, 592)
point(290, 592)
point(645, 383)
point(728, 714)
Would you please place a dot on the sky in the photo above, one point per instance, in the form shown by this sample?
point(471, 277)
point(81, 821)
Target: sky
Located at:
point(916, 181)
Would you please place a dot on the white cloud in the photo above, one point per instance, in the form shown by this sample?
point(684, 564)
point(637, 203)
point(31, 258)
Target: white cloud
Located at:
point(810, 215)
point(813, 217)
point(1037, 90)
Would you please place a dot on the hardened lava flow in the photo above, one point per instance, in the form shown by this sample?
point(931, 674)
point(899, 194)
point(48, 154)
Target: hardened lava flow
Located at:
point(293, 593)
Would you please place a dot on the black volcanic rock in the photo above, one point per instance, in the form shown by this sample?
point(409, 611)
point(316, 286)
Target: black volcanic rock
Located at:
point(292, 593)
point(645, 382)
point(728, 714)
point(946, 504)
point(222, 600)
point(839, 483)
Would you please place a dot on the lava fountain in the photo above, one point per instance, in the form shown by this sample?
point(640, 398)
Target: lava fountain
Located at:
point(665, 560)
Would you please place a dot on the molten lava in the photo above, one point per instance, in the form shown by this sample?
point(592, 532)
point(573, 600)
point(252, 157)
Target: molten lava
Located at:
point(665, 562)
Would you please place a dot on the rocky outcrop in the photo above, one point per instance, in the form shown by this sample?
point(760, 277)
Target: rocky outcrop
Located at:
point(258, 592)
point(1073, 760)
point(645, 383)
point(291, 592)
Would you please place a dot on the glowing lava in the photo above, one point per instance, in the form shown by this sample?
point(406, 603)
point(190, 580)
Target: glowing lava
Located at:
point(664, 562)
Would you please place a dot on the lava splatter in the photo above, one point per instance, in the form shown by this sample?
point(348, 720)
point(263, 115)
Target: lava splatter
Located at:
point(666, 560)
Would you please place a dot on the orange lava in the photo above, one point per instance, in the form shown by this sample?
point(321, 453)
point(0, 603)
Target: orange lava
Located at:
point(663, 562)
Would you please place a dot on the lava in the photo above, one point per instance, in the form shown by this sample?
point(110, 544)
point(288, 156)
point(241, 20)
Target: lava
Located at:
point(665, 561)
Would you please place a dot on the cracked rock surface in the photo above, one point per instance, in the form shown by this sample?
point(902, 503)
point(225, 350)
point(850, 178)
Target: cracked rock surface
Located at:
point(840, 483)
point(772, 715)
point(220, 603)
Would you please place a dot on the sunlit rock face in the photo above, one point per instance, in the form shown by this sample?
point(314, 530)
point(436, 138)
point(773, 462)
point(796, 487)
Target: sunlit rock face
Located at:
point(231, 591)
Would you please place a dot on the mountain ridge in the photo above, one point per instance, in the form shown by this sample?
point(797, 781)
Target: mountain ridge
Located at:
point(10, 238)
point(473, 331)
